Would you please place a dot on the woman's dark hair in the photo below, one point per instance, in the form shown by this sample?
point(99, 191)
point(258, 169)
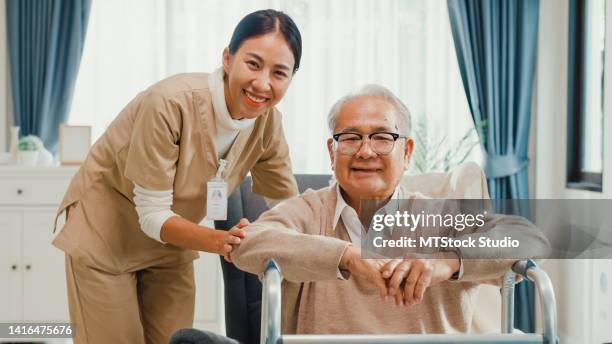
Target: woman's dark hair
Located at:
point(264, 21)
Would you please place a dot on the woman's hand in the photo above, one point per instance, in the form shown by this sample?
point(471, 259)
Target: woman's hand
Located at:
point(186, 234)
point(233, 238)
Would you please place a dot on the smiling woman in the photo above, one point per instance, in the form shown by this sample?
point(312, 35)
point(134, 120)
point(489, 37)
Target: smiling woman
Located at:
point(169, 159)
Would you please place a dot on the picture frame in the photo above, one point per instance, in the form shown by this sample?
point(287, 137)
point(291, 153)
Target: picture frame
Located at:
point(74, 143)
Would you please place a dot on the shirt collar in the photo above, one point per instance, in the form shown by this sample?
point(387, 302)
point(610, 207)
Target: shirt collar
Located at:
point(223, 119)
point(341, 203)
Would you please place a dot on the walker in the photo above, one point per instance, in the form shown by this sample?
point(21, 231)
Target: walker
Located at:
point(271, 316)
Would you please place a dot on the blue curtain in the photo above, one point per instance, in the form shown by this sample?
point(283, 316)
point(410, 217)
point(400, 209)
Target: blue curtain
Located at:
point(495, 42)
point(45, 42)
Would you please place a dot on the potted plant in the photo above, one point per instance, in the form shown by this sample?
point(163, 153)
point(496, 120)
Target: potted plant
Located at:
point(433, 154)
point(29, 149)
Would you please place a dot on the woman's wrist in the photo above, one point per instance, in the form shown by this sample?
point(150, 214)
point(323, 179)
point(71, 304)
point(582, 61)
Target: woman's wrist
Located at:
point(211, 240)
point(183, 233)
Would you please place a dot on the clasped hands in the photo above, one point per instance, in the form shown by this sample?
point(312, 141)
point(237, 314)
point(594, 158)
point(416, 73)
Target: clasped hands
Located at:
point(404, 279)
point(229, 240)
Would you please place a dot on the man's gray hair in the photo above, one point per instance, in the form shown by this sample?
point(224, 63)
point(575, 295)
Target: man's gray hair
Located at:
point(378, 91)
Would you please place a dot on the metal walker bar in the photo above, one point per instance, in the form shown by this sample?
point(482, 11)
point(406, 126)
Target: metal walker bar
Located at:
point(271, 315)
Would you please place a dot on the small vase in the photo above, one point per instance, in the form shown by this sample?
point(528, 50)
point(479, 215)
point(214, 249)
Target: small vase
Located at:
point(45, 158)
point(28, 158)
point(13, 149)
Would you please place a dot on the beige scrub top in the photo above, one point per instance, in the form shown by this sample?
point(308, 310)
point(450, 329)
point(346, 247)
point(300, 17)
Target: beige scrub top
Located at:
point(163, 139)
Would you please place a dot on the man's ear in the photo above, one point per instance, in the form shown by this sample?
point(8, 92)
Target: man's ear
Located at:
point(225, 59)
point(330, 150)
point(408, 149)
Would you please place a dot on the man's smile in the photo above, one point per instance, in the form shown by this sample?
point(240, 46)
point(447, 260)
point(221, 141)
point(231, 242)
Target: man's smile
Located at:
point(366, 170)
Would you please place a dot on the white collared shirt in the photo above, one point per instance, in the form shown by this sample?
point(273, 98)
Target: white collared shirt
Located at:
point(349, 216)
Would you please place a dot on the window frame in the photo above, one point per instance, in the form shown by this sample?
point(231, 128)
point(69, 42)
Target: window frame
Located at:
point(576, 178)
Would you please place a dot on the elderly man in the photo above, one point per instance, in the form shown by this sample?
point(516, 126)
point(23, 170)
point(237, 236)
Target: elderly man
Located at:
point(328, 287)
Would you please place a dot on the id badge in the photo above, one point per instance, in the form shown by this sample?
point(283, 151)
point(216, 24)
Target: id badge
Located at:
point(216, 200)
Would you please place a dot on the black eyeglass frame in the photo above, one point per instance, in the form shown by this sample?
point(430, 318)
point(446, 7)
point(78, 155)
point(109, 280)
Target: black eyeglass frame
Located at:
point(395, 137)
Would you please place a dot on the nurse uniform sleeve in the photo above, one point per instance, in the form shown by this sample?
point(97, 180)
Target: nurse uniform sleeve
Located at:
point(154, 144)
point(272, 174)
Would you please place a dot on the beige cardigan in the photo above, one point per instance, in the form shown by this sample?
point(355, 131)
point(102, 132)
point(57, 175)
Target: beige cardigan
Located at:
point(298, 234)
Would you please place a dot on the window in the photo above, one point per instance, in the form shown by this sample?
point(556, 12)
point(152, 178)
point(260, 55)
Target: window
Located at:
point(405, 45)
point(585, 94)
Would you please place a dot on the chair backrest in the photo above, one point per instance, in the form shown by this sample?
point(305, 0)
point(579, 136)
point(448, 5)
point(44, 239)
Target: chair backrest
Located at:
point(464, 181)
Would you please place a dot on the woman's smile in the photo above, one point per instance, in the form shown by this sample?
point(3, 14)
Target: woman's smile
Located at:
point(253, 100)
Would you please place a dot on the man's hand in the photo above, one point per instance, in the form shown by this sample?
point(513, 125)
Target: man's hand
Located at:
point(409, 278)
point(365, 269)
point(233, 238)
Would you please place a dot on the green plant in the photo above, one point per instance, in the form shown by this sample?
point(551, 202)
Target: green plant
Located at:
point(30, 143)
point(432, 154)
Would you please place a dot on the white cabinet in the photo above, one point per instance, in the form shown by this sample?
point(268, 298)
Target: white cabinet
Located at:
point(33, 268)
point(33, 286)
point(32, 275)
point(10, 265)
point(44, 280)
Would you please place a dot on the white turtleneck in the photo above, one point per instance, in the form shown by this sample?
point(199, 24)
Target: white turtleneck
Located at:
point(226, 128)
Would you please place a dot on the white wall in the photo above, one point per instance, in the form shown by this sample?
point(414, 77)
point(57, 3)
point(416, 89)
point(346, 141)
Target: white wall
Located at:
point(585, 311)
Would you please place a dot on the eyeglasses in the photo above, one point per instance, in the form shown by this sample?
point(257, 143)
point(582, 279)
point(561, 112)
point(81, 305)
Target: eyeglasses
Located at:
point(381, 143)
